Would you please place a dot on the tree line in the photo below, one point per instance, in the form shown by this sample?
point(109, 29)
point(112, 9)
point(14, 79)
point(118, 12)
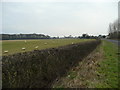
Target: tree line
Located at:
point(114, 30)
point(23, 36)
point(42, 36)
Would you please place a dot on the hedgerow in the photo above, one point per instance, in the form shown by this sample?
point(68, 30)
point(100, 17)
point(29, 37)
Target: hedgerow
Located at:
point(39, 68)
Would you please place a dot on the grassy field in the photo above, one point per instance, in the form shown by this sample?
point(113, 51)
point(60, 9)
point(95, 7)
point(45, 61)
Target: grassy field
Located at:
point(98, 70)
point(15, 46)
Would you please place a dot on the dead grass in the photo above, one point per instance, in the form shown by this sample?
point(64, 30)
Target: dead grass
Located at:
point(83, 75)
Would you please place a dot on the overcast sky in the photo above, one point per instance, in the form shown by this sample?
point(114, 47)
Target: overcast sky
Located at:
point(58, 17)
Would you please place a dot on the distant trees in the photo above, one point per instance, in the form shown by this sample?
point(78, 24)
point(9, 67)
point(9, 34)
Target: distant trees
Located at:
point(101, 36)
point(42, 36)
point(86, 36)
point(70, 36)
point(114, 30)
point(24, 36)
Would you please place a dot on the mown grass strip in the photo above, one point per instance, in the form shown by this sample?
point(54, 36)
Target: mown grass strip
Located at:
point(108, 69)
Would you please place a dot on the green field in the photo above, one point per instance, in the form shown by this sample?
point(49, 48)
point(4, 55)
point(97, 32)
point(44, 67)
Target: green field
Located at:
point(15, 46)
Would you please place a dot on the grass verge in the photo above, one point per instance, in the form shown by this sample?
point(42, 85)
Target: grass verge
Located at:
point(108, 70)
point(97, 70)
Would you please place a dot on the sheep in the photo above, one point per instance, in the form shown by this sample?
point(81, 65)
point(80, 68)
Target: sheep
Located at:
point(45, 43)
point(6, 51)
point(72, 42)
point(36, 47)
point(25, 41)
point(23, 48)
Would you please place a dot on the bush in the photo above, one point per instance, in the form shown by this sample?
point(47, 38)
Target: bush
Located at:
point(39, 68)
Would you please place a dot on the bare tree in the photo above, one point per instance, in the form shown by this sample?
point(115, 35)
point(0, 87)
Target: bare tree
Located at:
point(114, 30)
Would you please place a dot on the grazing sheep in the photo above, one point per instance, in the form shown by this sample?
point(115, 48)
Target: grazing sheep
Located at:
point(36, 47)
point(25, 41)
point(6, 51)
point(23, 48)
point(45, 43)
point(72, 43)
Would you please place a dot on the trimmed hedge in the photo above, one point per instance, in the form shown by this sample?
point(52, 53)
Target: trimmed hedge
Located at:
point(39, 68)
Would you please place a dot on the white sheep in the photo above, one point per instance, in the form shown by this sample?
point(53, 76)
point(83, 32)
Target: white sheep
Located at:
point(25, 41)
point(6, 51)
point(45, 43)
point(36, 47)
point(23, 48)
point(72, 43)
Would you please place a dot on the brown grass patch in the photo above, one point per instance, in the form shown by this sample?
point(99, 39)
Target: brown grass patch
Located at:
point(85, 76)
